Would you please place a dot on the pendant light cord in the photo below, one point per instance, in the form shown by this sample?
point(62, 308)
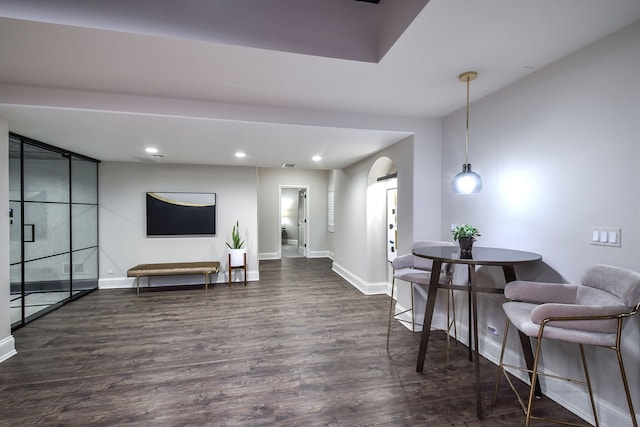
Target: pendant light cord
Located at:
point(466, 142)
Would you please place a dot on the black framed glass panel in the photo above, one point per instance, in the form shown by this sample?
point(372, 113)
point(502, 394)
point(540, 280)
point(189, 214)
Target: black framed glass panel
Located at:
point(54, 234)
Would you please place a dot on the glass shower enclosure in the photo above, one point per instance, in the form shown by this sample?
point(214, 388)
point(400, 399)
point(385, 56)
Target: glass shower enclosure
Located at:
point(54, 227)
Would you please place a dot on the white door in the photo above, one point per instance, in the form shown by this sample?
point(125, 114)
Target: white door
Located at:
point(392, 224)
point(302, 221)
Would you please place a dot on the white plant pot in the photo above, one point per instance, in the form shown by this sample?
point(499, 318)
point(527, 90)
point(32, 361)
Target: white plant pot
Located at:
point(237, 257)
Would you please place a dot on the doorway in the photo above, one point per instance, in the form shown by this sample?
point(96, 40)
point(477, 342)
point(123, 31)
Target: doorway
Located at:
point(294, 224)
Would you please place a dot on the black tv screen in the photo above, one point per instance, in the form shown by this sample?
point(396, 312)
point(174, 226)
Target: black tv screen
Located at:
point(181, 214)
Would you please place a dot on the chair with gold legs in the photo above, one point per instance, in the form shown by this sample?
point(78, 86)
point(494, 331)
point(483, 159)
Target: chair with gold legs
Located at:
point(417, 272)
point(591, 313)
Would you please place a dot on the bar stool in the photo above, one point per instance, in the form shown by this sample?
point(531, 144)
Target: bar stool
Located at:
point(589, 313)
point(417, 271)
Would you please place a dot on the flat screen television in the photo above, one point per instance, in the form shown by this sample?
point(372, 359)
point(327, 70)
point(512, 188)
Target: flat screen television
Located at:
point(181, 214)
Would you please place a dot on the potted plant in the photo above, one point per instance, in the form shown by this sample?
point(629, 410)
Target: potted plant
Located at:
point(236, 251)
point(465, 234)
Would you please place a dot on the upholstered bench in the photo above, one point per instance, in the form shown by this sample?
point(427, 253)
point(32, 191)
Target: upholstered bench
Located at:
point(173, 269)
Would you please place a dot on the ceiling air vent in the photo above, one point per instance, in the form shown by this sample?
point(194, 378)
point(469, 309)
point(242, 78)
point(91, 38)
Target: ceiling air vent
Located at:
point(288, 165)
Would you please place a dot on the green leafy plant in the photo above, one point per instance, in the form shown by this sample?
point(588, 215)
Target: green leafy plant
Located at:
point(465, 230)
point(235, 236)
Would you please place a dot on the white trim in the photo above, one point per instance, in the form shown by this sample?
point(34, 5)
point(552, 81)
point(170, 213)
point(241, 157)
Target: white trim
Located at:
point(269, 255)
point(361, 285)
point(312, 254)
point(320, 254)
point(7, 348)
point(116, 283)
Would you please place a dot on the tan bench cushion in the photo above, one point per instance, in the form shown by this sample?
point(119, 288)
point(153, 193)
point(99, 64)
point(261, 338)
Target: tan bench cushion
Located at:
point(171, 268)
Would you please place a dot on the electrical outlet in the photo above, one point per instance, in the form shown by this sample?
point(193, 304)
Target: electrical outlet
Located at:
point(492, 330)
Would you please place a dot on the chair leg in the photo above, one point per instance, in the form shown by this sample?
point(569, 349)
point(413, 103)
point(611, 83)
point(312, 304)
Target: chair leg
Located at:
point(534, 378)
point(451, 323)
point(393, 285)
point(413, 312)
point(626, 384)
point(500, 364)
point(589, 389)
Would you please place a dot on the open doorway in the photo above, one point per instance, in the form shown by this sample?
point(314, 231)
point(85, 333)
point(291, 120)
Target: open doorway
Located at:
point(293, 221)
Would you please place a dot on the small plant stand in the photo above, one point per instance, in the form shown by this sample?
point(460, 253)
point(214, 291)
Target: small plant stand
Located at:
point(243, 267)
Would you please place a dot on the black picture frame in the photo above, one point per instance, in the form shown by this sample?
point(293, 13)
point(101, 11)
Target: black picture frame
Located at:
point(180, 214)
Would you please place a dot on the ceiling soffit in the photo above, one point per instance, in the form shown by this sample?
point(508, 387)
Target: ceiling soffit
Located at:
point(354, 30)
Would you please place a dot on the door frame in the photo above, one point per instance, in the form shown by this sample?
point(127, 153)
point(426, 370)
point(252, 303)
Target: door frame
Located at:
point(278, 233)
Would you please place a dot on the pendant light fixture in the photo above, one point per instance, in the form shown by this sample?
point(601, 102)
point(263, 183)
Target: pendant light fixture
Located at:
point(467, 181)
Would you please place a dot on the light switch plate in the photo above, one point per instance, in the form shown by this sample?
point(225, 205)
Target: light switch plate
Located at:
point(606, 236)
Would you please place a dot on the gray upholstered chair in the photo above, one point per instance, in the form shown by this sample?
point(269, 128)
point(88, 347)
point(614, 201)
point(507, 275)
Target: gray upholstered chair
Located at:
point(591, 313)
point(417, 271)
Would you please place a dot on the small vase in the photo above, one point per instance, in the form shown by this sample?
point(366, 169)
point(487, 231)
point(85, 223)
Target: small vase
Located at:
point(466, 245)
point(237, 257)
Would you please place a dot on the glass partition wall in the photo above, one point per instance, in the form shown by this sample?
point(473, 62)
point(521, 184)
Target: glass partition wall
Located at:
point(54, 227)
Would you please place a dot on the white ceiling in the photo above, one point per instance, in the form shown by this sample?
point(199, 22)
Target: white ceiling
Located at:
point(108, 87)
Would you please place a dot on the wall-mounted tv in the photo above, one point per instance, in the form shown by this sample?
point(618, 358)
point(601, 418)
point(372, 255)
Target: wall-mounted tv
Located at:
point(181, 214)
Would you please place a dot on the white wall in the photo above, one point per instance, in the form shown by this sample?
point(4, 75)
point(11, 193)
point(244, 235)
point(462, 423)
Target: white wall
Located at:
point(558, 153)
point(123, 241)
point(7, 345)
point(269, 216)
point(418, 217)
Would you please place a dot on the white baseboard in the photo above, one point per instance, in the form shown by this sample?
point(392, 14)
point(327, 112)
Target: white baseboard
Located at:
point(311, 254)
point(320, 254)
point(7, 348)
point(361, 285)
point(268, 255)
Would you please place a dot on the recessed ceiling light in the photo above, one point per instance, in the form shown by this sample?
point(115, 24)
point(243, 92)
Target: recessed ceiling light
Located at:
point(240, 154)
point(151, 150)
point(316, 158)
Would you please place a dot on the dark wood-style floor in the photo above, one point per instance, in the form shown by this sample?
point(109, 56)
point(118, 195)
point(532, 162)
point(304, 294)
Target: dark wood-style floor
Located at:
point(301, 347)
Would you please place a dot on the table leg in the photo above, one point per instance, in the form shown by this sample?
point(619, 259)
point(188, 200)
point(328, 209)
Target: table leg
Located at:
point(476, 361)
point(525, 342)
point(428, 313)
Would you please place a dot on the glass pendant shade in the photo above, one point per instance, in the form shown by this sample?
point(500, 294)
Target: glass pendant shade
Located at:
point(467, 181)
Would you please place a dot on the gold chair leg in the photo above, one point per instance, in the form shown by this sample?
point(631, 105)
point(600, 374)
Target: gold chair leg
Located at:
point(586, 375)
point(501, 370)
point(451, 323)
point(413, 312)
point(393, 285)
point(625, 383)
point(534, 378)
